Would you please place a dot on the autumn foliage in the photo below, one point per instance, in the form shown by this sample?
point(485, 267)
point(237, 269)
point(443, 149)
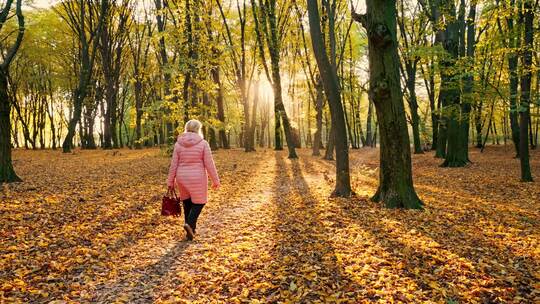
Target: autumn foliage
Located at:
point(85, 227)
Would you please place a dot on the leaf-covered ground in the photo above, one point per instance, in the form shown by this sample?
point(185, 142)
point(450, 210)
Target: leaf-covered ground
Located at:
point(85, 227)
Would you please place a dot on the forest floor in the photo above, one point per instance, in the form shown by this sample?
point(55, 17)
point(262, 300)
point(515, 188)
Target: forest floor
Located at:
point(85, 227)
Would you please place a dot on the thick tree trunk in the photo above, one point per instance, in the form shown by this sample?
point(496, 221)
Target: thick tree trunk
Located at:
point(526, 92)
point(396, 188)
point(246, 129)
point(456, 154)
point(332, 90)
point(468, 86)
point(7, 173)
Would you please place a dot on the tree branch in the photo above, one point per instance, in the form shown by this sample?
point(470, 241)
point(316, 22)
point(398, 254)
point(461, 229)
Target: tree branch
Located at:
point(11, 53)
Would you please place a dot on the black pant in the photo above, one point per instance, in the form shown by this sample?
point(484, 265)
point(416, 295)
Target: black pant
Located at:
point(191, 212)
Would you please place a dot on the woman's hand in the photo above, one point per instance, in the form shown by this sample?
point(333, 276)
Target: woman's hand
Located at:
point(216, 186)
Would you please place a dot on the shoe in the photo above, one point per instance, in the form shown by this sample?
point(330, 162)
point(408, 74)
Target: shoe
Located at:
point(189, 232)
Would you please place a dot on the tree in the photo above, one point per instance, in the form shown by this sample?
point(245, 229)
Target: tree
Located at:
point(272, 35)
point(330, 82)
point(456, 154)
point(77, 14)
point(314, 84)
point(412, 32)
point(525, 100)
point(163, 58)
point(112, 40)
point(512, 43)
point(7, 173)
point(139, 43)
point(396, 188)
point(241, 72)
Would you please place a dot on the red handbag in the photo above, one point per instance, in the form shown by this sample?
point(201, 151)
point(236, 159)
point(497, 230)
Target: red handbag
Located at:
point(170, 205)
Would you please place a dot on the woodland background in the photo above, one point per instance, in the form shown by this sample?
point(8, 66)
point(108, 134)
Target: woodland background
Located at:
point(155, 64)
point(364, 97)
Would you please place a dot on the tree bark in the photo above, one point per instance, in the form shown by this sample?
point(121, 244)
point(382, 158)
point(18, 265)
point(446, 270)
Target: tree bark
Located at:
point(456, 154)
point(220, 108)
point(396, 188)
point(330, 82)
point(369, 124)
point(317, 138)
point(525, 100)
point(7, 173)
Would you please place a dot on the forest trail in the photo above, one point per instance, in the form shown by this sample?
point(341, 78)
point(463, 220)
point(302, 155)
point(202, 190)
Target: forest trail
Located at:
point(85, 227)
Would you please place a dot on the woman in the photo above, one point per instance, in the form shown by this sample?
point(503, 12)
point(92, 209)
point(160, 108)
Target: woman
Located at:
point(191, 160)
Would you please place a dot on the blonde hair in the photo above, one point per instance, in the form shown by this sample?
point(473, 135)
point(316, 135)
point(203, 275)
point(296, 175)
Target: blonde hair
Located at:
point(193, 126)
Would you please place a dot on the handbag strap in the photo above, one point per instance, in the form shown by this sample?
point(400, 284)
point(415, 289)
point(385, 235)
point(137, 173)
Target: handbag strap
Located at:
point(173, 192)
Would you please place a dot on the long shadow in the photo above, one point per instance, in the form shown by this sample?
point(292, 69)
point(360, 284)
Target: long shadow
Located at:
point(508, 215)
point(151, 275)
point(451, 231)
point(86, 268)
point(469, 248)
point(84, 239)
point(305, 266)
point(142, 288)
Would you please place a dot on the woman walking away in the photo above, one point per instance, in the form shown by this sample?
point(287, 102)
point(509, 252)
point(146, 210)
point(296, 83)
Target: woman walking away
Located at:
point(191, 160)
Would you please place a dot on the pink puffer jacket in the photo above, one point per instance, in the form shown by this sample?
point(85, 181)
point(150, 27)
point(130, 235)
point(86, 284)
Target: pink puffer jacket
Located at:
point(191, 160)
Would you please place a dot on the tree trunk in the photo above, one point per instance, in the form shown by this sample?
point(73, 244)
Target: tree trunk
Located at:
point(50, 113)
point(138, 112)
point(164, 65)
point(272, 32)
point(525, 101)
point(87, 63)
point(220, 108)
point(429, 81)
point(456, 155)
point(253, 123)
point(279, 107)
point(332, 90)
point(468, 86)
point(7, 173)
point(396, 188)
point(369, 127)
point(413, 105)
point(329, 152)
point(317, 138)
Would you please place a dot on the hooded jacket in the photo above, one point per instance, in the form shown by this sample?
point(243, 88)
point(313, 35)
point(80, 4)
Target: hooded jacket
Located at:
point(191, 161)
